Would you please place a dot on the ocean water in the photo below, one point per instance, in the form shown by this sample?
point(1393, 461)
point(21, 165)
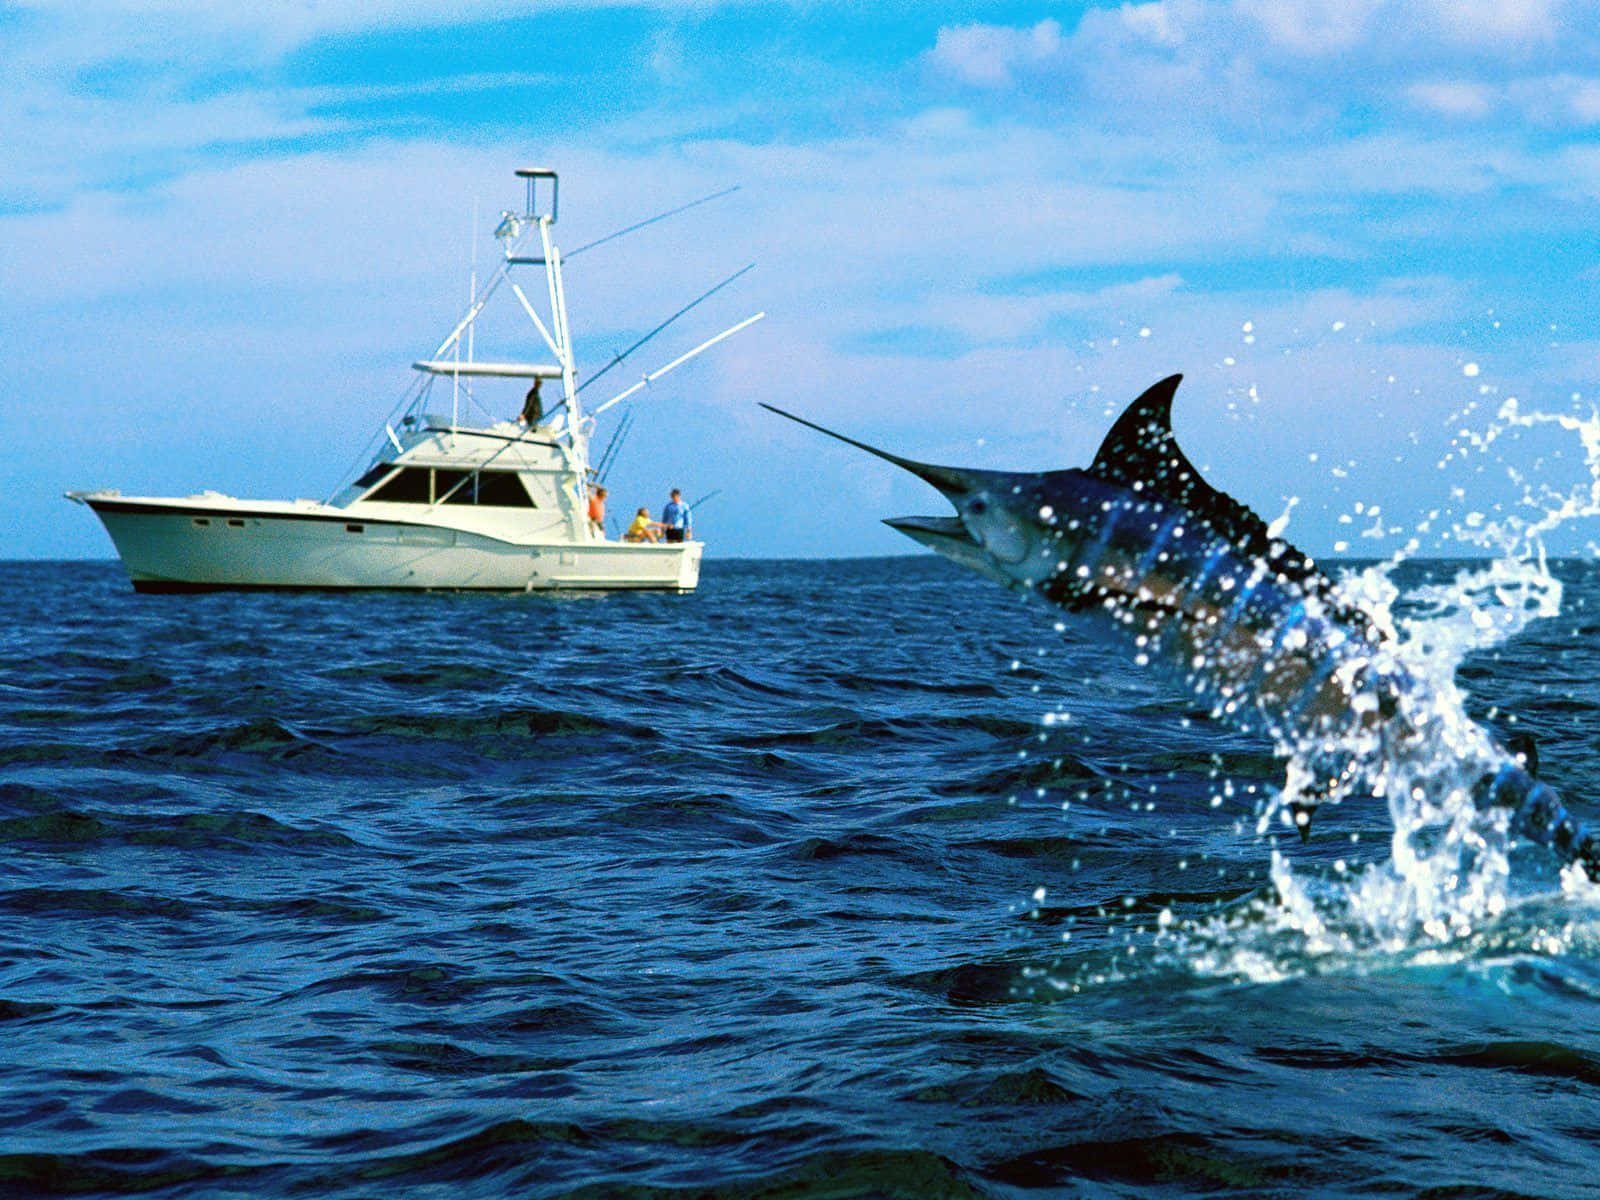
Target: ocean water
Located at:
point(832, 880)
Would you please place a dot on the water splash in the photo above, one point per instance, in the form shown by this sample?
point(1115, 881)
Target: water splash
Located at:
point(1519, 536)
point(1453, 883)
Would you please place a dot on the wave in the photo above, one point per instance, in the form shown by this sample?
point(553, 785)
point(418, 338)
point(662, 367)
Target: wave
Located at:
point(500, 724)
point(433, 675)
point(1549, 1060)
point(116, 1171)
point(1034, 1087)
point(876, 731)
point(234, 830)
point(120, 902)
point(884, 1174)
point(262, 738)
point(1162, 1161)
point(930, 684)
point(973, 984)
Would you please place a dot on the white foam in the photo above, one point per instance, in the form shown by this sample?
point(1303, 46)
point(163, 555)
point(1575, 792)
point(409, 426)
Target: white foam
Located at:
point(1447, 886)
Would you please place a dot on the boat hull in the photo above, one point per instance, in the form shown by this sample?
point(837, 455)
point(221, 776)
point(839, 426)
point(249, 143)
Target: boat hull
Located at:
point(194, 549)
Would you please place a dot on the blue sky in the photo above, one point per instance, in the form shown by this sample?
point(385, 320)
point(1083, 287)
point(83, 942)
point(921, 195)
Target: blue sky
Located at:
point(1357, 227)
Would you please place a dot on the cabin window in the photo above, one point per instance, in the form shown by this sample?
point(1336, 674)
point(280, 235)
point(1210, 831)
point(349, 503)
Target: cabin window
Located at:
point(499, 489)
point(410, 486)
point(202, 521)
point(374, 474)
point(453, 487)
point(413, 485)
point(236, 522)
point(503, 489)
point(355, 528)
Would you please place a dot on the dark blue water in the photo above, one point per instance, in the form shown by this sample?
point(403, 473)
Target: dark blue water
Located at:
point(768, 891)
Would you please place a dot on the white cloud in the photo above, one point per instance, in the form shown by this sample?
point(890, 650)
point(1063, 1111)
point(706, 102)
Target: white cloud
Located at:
point(991, 55)
point(1585, 100)
point(1557, 99)
point(1495, 23)
point(1313, 27)
point(1540, 101)
point(1323, 27)
point(1163, 22)
point(94, 92)
point(1244, 65)
point(276, 26)
point(1550, 100)
point(1454, 98)
point(1580, 166)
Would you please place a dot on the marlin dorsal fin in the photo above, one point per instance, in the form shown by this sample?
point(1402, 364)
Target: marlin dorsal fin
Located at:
point(1141, 453)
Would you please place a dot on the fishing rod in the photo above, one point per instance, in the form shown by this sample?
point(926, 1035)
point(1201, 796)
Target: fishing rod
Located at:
point(704, 296)
point(679, 361)
point(711, 495)
point(614, 446)
point(671, 212)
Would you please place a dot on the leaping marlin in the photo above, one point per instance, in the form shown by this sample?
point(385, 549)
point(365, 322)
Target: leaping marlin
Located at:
point(1149, 556)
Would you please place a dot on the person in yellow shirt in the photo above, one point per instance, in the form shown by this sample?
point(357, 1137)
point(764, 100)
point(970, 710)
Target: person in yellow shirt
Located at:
point(643, 528)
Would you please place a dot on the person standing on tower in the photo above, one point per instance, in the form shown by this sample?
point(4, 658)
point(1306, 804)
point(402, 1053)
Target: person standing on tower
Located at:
point(532, 406)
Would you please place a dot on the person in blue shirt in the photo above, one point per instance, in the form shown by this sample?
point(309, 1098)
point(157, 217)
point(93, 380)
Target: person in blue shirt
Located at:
point(677, 519)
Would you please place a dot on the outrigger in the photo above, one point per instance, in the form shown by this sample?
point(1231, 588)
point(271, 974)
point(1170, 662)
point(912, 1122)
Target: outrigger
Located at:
point(443, 504)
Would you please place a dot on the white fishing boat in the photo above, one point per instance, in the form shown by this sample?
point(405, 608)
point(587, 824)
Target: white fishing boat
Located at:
point(444, 504)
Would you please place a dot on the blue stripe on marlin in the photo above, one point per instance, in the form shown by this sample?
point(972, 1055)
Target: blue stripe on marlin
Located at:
point(1159, 544)
point(1148, 555)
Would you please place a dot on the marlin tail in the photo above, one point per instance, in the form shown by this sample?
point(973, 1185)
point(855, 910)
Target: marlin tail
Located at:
point(1145, 553)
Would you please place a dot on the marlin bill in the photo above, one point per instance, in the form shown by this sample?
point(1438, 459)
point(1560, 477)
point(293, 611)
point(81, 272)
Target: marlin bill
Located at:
point(1145, 554)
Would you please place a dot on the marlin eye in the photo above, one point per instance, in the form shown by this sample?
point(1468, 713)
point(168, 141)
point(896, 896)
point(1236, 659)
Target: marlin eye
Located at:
point(978, 506)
